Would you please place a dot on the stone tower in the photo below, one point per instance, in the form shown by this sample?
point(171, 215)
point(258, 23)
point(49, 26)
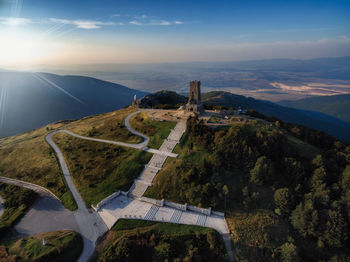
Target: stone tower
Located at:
point(194, 98)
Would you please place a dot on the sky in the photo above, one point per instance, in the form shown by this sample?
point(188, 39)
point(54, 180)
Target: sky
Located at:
point(35, 33)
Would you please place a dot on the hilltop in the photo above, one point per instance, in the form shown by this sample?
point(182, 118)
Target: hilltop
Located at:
point(284, 188)
point(219, 99)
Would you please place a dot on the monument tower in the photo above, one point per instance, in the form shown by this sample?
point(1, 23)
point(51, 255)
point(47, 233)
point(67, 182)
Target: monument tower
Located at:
point(194, 103)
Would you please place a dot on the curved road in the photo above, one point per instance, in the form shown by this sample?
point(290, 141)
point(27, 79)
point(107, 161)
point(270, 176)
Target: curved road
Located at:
point(140, 146)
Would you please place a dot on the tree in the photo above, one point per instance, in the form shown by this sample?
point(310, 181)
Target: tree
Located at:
point(305, 218)
point(289, 253)
point(335, 232)
point(262, 171)
point(345, 179)
point(293, 171)
point(318, 178)
point(225, 191)
point(283, 200)
point(212, 239)
point(162, 252)
point(123, 248)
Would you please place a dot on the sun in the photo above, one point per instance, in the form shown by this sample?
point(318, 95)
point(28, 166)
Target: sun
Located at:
point(18, 48)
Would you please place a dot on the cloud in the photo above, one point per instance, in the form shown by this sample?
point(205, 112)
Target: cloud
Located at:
point(178, 22)
point(15, 21)
point(163, 22)
point(151, 23)
point(83, 24)
point(134, 22)
point(141, 16)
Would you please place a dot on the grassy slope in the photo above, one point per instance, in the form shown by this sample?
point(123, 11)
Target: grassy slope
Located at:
point(156, 130)
point(99, 169)
point(17, 201)
point(61, 246)
point(148, 237)
point(28, 157)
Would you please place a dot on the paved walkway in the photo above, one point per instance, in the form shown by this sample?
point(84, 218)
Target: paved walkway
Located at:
point(156, 163)
point(39, 189)
point(133, 208)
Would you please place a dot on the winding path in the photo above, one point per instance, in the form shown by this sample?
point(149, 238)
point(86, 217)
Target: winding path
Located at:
point(90, 224)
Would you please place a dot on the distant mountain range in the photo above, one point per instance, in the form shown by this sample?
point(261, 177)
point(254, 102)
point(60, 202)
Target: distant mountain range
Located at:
point(30, 100)
point(316, 120)
point(269, 79)
point(337, 106)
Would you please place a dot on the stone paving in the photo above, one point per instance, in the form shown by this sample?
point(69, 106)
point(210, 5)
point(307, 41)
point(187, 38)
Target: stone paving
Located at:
point(155, 164)
point(133, 208)
point(132, 205)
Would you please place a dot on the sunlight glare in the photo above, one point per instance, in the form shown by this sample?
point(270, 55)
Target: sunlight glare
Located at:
point(18, 48)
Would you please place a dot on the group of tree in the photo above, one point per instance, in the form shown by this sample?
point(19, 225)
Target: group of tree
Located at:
point(255, 166)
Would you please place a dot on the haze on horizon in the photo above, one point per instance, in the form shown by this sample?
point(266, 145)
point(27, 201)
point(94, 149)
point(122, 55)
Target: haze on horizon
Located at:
point(62, 33)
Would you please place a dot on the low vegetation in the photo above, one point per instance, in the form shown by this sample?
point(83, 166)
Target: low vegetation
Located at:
point(100, 169)
point(17, 202)
point(156, 130)
point(60, 246)
point(107, 126)
point(284, 188)
point(137, 240)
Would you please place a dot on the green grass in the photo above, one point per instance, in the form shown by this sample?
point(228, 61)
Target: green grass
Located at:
point(108, 126)
point(136, 240)
point(17, 201)
point(157, 131)
point(100, 169)
point(61, 246)
point(304, 149)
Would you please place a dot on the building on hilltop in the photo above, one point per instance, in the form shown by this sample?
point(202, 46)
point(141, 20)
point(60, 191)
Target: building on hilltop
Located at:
point(194, 103)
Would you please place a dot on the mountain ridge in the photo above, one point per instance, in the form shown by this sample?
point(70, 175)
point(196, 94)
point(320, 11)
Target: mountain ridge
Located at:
point(336, 105)
point(30, 100)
